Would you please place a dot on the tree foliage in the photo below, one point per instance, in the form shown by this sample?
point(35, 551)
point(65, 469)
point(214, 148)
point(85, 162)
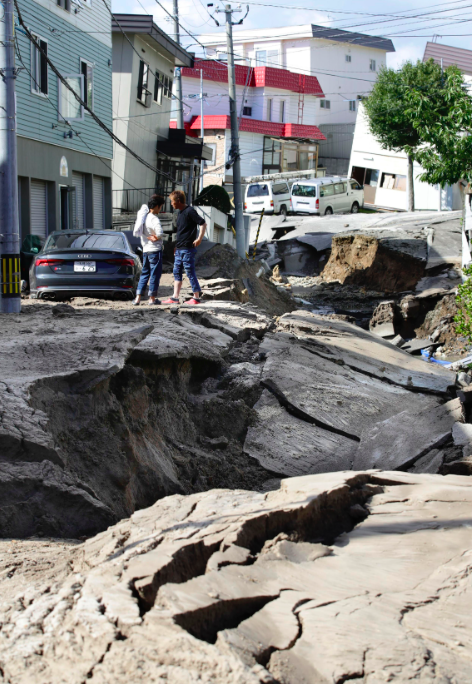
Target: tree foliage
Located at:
point(463, 318)
point(214, 196)
point(426, 112)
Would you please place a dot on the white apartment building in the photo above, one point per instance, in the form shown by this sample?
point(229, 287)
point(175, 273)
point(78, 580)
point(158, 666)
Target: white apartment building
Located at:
point(274, 106)
point(345, 63)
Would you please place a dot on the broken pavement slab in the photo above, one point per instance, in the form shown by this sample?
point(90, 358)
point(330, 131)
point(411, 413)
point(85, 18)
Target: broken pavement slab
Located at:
point(324, 596)
point(345, 344)
point(399, 441)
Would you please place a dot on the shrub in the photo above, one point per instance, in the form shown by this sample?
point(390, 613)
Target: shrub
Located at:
point(464, 298)
point(214, 196)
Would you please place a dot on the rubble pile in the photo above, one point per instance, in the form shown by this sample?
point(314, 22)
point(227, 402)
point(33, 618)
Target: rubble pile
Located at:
point(330, 578)
point(225, 276)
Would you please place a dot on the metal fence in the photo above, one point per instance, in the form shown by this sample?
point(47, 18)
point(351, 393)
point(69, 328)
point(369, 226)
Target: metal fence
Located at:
point(130, 200)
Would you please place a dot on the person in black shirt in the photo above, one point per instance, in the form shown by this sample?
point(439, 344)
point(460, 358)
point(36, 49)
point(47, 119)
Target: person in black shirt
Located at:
point(190, 231)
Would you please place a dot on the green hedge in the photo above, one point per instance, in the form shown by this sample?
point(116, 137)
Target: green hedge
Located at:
point(214, 196)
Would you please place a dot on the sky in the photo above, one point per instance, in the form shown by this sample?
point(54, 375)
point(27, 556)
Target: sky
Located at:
point(409, 24)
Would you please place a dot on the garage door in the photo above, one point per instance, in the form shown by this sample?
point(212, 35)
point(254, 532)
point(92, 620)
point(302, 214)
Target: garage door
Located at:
point(98, 203)
point(38, 205)
point(79, 216)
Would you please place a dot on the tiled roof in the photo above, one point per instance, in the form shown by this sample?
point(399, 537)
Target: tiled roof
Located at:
point(280, 130)
point(256, 77)
point(449, 55)
point(340, 36)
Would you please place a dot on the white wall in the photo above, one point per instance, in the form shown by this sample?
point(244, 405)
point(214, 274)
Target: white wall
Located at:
point(217, 102)
point(340, 81)
point(250, 145)
point(141, 126)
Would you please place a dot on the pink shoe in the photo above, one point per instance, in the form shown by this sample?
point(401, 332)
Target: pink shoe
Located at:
point(193, 301)
point(171, 300)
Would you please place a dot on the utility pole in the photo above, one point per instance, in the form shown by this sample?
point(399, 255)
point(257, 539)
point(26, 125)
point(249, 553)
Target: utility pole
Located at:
point(234, 152)
point(10, 276)
point(177, 75)
point(202, 129)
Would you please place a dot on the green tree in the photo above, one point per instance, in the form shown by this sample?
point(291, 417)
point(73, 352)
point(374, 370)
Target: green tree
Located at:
point(444, 125)
point(421, 110)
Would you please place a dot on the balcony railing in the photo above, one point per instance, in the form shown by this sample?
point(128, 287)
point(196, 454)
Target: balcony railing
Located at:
point(130, 200)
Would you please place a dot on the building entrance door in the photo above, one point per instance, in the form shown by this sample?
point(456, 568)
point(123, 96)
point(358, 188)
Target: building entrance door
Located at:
point(66, 199)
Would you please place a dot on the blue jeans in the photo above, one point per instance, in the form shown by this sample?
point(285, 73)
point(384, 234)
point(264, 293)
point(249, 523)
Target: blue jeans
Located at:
point(185, 258)
point(152, 271)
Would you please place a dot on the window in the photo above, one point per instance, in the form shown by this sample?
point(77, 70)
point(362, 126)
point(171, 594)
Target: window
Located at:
point(372, 65)
point(65, 4)
point(69, 107)
point(326, 190)
point(393, 181)
point(304, 190)
point(280, 189)
point(39, 68)
point(212, 161)
point(340, 188)
point(86, 70)
point(247, 111)
point(325, 104)
point(271, 156)
point(269, 109)
point(348, 58)
point(166, 86)
point(258, 191)
point(282, 111)
point(85, 241)
point(352, 105)
point(355, 185)
point(158, 88)
point(143, 79)
point(261, 58)
point(273, 58)
point(371, 177)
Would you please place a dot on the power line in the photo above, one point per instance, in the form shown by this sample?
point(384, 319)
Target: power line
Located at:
point(102, 125)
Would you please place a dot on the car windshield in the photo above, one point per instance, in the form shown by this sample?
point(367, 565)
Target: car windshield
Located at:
point(258, 191)
point(85, 241)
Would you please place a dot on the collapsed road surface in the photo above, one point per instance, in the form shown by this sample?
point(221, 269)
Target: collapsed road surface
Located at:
point(338, 577)
point(104, 412)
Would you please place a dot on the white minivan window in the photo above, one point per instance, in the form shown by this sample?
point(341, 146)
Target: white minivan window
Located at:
point(326, 190)
point(258, 191)
point(355, 185)
point(280, 189)
point(340, 188)
point(304, 190)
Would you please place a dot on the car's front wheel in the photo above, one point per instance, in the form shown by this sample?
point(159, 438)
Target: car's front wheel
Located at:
point(355, 208)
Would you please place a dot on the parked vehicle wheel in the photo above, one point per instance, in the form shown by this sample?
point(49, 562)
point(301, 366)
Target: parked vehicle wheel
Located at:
point(283, 210)
point(355, 208)
point(328, 211)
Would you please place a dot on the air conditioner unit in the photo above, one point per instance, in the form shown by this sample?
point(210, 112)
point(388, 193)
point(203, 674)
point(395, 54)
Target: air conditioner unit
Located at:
point(147, 98)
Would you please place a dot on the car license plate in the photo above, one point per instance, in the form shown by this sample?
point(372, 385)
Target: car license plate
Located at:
point(85, 266)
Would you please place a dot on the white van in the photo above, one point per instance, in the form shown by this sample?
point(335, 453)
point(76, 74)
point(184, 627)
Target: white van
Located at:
point(328, 195)
point(272, 196)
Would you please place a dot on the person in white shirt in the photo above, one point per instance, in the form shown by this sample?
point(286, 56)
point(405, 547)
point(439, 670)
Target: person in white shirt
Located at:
point(149, 229)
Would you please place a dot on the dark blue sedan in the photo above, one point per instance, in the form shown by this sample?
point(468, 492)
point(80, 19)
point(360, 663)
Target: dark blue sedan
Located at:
point(86, 263)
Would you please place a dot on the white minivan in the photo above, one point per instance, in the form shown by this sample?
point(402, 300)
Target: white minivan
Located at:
point(328, 195)
point(272, 196)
